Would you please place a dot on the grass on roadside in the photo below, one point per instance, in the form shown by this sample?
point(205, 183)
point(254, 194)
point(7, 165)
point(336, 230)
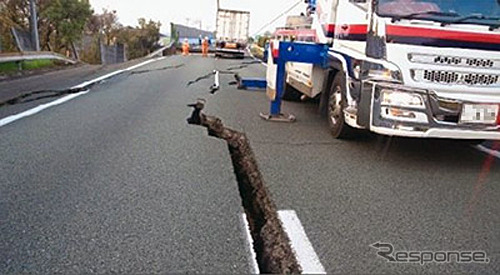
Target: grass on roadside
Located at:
point(12, 67)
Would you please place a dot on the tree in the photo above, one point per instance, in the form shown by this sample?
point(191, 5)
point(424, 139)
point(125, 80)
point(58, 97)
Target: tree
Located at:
point(66, 20)
point(62, 23)
point(150, 34)
point(13, 13)
point(140, 40)
point(16, 13)
point(105, 23)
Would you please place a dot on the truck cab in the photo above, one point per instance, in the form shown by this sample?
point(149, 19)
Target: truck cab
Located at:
point(416, 68)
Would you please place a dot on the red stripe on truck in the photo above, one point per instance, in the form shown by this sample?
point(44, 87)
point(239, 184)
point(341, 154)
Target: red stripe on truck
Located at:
point(393, 30)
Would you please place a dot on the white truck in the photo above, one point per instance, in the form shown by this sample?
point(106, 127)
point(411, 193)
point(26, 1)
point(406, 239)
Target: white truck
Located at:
point(413, 68)
point(232, 31)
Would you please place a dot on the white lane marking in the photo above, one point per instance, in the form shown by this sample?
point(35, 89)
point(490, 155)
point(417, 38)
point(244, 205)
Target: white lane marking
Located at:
point(488, 151)
point(101, 78)
point(30, 112)
point(306, 256)
point(253, 257)
point(40, 108)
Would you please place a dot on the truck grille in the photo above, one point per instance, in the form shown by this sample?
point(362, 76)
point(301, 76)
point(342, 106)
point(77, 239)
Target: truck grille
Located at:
point(484, 63)
point(447, 77)
point(469, 62)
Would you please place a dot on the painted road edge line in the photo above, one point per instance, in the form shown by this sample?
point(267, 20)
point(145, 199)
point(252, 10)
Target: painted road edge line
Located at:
point(304, 251)
point(253, 257)
point(40, 108)
point(30, 112)
point(487, 150)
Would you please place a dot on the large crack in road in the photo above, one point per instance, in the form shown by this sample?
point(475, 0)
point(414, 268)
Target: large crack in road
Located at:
point(198, 79)
point(159, 69)
point(271, 243)
point(242, 65)
point(24, 98)
point(54, 93)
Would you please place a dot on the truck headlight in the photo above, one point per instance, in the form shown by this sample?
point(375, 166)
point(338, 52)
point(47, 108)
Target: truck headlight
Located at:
point(383, 73)
point(402, 99)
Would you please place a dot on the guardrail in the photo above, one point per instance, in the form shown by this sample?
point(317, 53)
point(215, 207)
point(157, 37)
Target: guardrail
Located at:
point(170, 49)
point(18, 57)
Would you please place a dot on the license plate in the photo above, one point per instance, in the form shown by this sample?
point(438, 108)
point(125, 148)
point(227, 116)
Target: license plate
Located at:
point(479, 113)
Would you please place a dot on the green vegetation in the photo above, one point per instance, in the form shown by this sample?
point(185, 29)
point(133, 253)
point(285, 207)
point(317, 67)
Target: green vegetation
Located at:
point(257, 51)
point(60, 22)
point(68, 25)
point(141, 40)
point(66, 19)
point(12, 67)
point(8, 67)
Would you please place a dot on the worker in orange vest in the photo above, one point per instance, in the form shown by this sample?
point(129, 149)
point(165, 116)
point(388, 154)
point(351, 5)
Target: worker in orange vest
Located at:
point(185, 47)
point(204, 47)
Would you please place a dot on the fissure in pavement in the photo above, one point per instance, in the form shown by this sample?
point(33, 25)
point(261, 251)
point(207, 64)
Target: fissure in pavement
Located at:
point(159, 69)
point(44, 94)
point(200, 78)
point(271, 244)
point(25, 98)
point(242, 65)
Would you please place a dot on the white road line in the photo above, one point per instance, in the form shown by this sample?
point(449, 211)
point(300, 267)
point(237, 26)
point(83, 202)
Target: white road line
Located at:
point(40, 108)
point(253, 257)
point(30, 112)
point(488, 151)
point(306, 256)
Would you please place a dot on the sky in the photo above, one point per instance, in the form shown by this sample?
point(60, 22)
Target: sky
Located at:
point(191, 12)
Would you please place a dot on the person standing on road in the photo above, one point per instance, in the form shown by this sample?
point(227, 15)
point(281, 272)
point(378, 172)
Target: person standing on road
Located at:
point(204, 47)
point(185, 47)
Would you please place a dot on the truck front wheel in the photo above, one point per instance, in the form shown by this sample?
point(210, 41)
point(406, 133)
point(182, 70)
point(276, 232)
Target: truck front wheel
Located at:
point(290, 93)
point(337, 103)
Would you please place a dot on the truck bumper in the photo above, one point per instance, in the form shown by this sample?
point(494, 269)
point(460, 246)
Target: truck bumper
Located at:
point(421, 113)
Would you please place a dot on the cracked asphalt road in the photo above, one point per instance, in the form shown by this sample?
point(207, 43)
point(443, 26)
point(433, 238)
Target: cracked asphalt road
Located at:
point(416, 194)
point(116, 181)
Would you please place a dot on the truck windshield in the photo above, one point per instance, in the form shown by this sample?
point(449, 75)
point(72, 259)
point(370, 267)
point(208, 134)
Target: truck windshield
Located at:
point(450, 11)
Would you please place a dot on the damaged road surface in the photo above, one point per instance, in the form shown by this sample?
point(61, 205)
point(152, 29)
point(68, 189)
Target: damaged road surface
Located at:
point(156, 70)
point(114, 181)
point(271, 244)
point(44, 94)
point(34, 90)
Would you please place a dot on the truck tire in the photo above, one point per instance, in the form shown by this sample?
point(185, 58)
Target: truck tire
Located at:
point(290, 93)
point(337, 102)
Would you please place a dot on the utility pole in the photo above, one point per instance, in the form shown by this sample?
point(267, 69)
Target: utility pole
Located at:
point(35, 40)
point(217, 19)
